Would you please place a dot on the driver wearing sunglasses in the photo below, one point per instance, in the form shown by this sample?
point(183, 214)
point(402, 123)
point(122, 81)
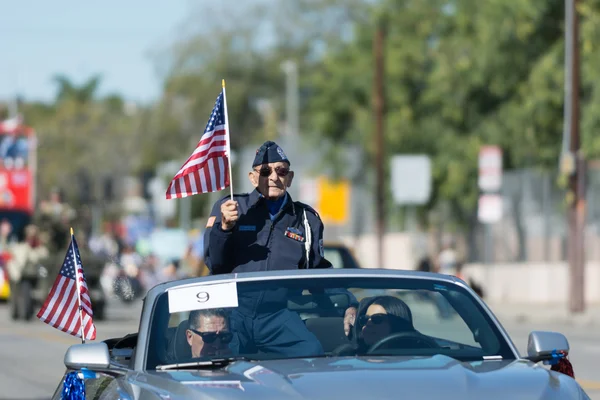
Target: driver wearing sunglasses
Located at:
point(208, 333)
point(267, 230)
point(378, 318)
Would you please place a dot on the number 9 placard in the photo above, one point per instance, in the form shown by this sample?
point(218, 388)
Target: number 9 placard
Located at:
point(202, 297)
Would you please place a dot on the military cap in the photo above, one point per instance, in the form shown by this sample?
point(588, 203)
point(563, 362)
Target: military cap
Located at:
point(269, 152)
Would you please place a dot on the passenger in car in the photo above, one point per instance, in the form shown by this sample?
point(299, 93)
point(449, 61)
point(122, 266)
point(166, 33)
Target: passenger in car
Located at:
point(208, 333)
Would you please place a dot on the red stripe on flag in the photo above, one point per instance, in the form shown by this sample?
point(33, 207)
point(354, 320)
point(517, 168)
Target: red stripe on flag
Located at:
point(61, 308)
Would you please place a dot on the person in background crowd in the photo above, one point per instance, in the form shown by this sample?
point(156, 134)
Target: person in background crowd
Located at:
point(447, 259)
point(170, 272)
point(194, 257)
point(444, 308)
point(474, 285)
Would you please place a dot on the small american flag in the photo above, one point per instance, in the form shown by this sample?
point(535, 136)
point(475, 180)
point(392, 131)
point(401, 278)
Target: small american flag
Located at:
point(207, 168)
point(61, 308)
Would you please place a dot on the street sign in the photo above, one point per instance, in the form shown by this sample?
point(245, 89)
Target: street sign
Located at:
point(334, 200)
point(490, 168)
point(490, 208)
point(411, 179)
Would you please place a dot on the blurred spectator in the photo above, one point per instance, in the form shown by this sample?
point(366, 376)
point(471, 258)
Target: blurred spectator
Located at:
point(447, 258)
point(170, 272)
point(149, 272)
point(130, 261)
point(425, 265)
point(474, 285)
point(54, 217)
point(459, 271)
point(108, 278)
point(106, 244)
point(26, 255)
point(444, 308)
point(6, 235)
point(194, 257)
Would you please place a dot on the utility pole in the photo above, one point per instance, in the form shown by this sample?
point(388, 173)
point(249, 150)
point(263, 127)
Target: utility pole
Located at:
point(13, 105)
point(13, 108)
point(292, 108)
point(573, 162)
point(379, 114)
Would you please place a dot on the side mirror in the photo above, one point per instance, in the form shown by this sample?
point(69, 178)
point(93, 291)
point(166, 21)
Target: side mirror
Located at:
point(90, 356)
point(541, 345)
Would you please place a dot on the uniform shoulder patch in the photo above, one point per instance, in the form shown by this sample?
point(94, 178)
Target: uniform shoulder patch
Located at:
point(211, 221)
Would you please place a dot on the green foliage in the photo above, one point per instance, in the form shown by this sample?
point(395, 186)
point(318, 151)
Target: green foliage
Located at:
point(459, 74)
point(81, 132)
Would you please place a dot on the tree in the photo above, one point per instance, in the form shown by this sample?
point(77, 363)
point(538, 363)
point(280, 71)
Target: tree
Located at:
point(67, 91)
point(458, 74)
point(83, 133)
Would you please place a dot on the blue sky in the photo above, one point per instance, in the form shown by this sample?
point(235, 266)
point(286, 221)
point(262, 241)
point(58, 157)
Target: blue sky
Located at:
point(39, 39)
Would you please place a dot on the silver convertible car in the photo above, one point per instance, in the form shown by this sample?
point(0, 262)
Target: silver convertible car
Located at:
point(319, 334)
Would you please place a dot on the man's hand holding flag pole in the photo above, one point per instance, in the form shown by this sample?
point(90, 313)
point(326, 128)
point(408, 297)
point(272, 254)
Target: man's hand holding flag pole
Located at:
point(68, 306)
point(205, 170)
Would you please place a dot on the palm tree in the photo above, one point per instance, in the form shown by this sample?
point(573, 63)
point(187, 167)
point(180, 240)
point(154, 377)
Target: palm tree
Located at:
point(82, 94)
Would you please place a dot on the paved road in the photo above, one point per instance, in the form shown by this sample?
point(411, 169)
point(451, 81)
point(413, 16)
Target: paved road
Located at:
point(22, 342)
point(21, 378)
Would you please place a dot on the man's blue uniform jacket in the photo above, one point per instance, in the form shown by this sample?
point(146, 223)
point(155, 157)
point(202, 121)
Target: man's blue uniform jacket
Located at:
point(257, 243)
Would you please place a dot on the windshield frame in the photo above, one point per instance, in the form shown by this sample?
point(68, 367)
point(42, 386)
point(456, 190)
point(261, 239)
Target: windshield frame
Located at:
point(149, 310)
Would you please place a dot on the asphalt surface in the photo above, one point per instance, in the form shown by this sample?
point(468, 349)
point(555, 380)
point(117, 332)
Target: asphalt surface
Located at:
point(31, 354)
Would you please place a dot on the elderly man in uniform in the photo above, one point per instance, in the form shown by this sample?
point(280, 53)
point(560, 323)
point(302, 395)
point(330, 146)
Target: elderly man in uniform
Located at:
point(262, 231)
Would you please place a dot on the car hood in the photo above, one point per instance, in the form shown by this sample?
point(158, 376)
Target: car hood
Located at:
point(349, 378)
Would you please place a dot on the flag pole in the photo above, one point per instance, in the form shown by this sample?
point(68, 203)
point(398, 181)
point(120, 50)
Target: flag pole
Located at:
point(228, 139)
point(78, 286)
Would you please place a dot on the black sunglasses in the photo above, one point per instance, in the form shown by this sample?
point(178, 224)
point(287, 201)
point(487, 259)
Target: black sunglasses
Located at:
point(375, 318)
point(267, 171)
point(210, 337)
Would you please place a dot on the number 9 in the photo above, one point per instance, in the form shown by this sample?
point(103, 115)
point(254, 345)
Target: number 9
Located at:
point(203, 297)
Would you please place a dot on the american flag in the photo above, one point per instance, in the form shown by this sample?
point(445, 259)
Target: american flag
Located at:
point(207, 168)
point(61, 308)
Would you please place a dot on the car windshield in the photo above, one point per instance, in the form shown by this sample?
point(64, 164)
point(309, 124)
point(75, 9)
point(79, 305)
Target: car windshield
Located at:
point(304, 318)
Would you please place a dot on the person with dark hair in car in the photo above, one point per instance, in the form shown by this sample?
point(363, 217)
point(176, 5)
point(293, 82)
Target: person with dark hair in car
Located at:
point(208, 332)
point(382, 317)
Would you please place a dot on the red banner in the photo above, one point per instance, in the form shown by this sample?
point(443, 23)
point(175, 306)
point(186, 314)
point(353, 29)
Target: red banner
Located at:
point(15, 190)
